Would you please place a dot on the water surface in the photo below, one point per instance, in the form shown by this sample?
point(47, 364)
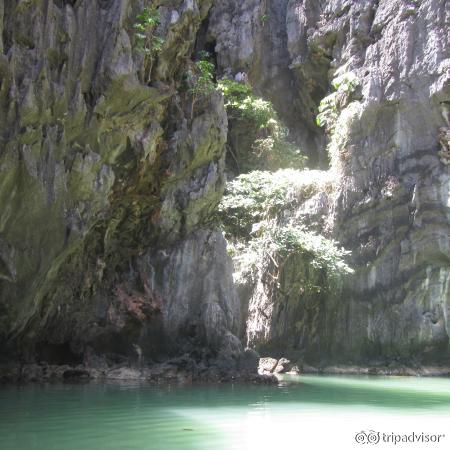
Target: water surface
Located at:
point(303, 412)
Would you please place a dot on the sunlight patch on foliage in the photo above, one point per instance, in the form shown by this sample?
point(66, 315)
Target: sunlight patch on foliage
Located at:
point(261, 195)
point(250, 213)
point(282, 243)
point(271, 148)
point(329, 108)
point(242, 103)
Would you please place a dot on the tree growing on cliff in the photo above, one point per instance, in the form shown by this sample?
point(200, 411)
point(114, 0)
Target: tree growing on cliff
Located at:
point(201, 78)
point(146, 40)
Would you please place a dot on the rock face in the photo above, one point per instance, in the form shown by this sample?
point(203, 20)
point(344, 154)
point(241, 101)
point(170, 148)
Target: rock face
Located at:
point(390, 202)
point(392, 206)
point(202, 302)
point(107, 186)
point(108, 182)
point(252, 37)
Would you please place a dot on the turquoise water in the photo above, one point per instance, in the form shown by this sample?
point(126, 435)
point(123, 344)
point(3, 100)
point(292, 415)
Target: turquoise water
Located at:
point(302, 412)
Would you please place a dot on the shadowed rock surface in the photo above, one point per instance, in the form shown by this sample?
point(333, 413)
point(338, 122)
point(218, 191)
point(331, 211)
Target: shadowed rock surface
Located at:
point(107, 188)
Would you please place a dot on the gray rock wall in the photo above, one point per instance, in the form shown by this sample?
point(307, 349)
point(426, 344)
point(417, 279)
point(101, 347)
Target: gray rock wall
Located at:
point(101, 173)
point(251, 37)
point(392, 206)
point(390, 202)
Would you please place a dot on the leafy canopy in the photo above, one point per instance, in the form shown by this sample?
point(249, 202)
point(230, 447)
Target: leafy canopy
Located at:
point(252, 197)
point(242, 103)
point(251, 209)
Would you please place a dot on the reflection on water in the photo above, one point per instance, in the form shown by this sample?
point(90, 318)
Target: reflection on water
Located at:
point(301, 412)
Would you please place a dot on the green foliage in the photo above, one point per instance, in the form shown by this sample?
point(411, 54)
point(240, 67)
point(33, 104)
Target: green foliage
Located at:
point(146, 22)
point(148, 18)
point(271, 148)
point(252, 208)
point(233, 90)
point(251, 198)
point(157, 43)
point(242, 103)
point(347, 82)
point(275, 151)
point(278, 245)
point(344, 86)
point(203, 78)
point(324, 253)
point(146, 40)
point(328, 111)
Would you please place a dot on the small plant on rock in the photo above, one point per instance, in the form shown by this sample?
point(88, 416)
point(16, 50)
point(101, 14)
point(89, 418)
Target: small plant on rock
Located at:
point(329, 108)
point(201, 79)
point(146, 40)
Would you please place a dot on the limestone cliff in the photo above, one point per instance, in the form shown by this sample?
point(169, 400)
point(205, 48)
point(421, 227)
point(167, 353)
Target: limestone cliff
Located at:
point(111, 174)
point(388, 151)
point(107, 185)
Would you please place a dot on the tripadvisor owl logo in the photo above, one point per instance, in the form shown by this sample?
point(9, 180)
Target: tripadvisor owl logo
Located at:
point(367, 437)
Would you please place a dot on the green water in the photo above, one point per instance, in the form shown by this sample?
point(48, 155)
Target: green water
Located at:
point(299, 413)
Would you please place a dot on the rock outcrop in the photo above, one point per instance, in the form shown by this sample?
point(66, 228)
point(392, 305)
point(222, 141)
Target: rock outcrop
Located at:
point(107, 187)
point(390, 202)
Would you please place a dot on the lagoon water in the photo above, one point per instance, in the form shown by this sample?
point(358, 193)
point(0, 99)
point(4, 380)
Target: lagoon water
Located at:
point(303, 412)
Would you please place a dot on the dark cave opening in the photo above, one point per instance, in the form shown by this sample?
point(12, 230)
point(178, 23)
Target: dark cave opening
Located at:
point(205, 43)
point(57, 354)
